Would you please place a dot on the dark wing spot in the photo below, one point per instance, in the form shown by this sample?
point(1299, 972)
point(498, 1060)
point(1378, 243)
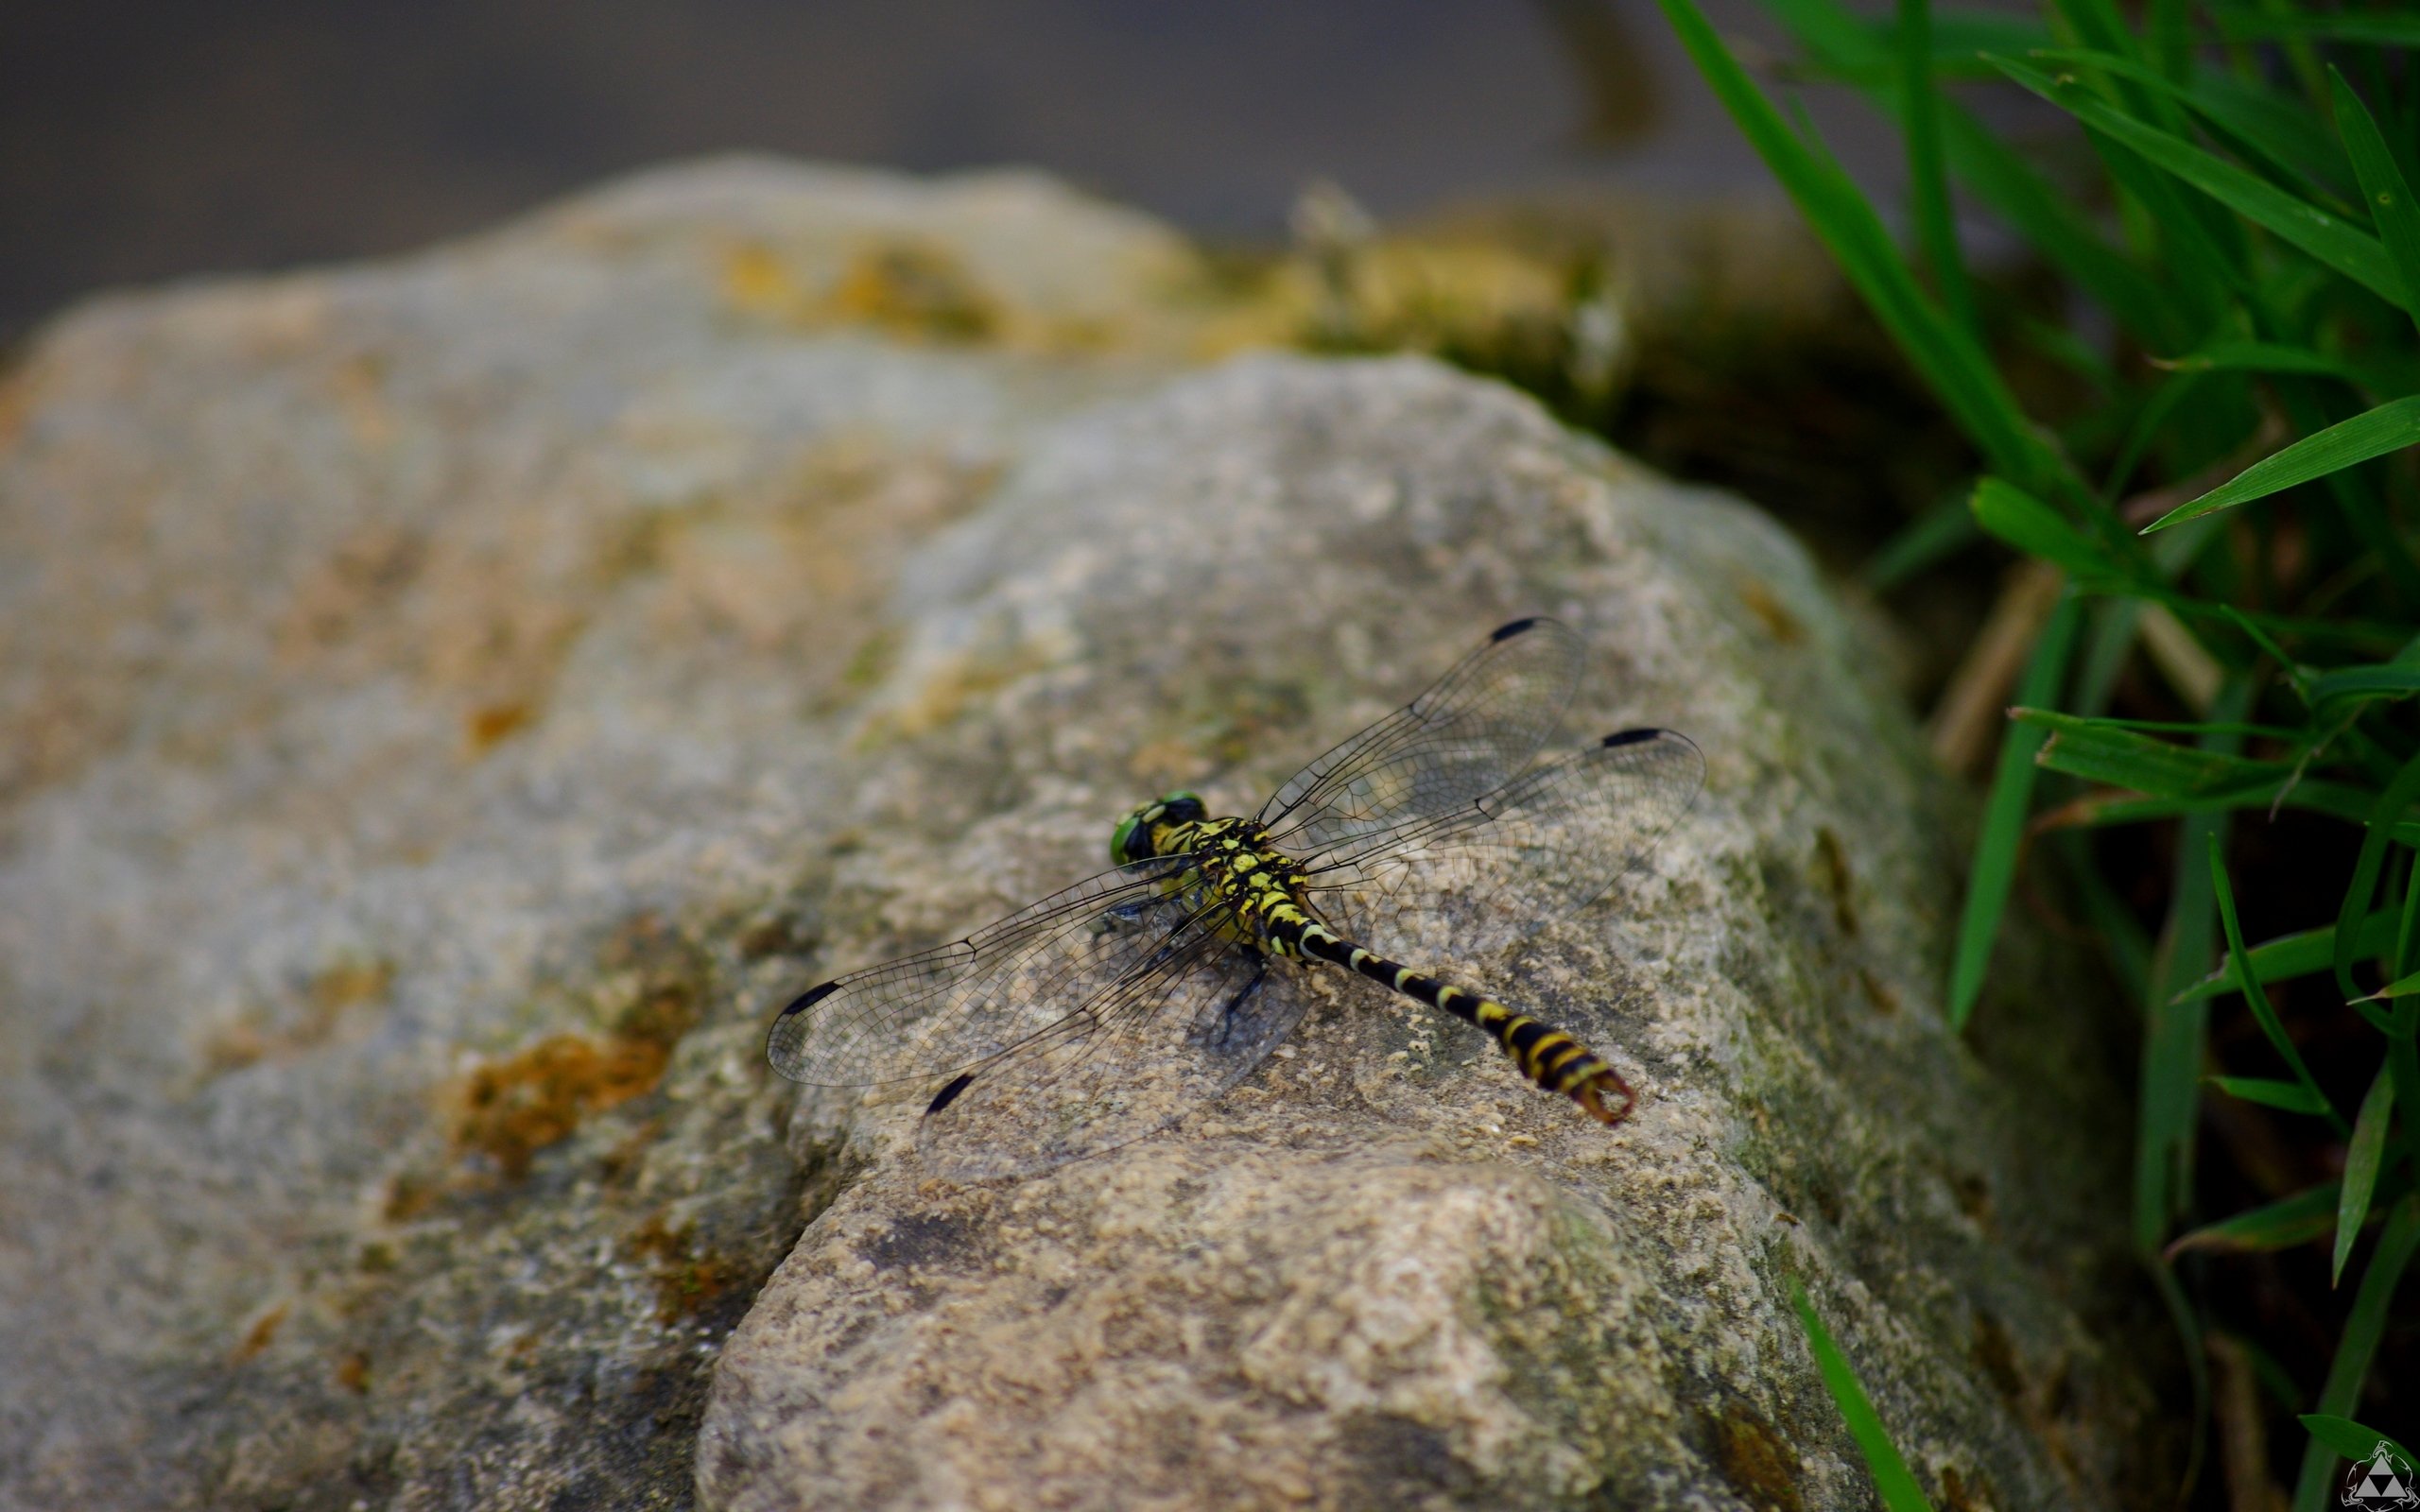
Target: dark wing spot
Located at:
point(1631, 737)
point(1506, 632)
point(810, 998)
point(949, 1094)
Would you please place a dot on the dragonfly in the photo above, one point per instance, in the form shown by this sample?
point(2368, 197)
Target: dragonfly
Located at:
point(1107, 1011)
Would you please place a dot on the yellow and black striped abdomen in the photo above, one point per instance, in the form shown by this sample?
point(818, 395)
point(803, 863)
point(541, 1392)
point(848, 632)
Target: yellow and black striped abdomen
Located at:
point(1546, 1055)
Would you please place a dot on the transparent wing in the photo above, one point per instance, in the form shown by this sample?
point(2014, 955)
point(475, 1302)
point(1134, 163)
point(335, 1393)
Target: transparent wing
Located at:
point(940, 1011)
point(1500, 866)
point(1467, 736)
point(1137, 1058)
point(1074, 1025)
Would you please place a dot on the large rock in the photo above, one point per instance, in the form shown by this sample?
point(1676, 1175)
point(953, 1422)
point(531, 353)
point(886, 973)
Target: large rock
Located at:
point(426, 688)
point(452, 703)
point(1384, 1272)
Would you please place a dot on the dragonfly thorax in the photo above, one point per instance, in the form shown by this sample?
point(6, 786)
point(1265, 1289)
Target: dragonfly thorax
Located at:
point(1236, 869)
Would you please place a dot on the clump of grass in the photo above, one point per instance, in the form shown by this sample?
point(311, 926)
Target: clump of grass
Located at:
point(2215, 742)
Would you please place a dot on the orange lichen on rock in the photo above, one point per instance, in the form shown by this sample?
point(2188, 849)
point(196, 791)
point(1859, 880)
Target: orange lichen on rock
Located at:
point(687, 1281)
point(1757, 1462)
point(1770, 612)
point(511, 1109)
point(756, 281)
point(916, 290)
point(252, 1038)
point(257, 1338)
point(489, 724)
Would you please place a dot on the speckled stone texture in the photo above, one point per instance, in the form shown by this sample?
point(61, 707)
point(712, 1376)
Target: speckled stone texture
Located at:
point(452, 703)
point(1383, 1272)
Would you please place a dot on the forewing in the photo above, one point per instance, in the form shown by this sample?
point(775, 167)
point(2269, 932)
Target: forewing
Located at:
point(1467, 736)
point(1500, 866)
point(1137, 1057)
point(956, 1005)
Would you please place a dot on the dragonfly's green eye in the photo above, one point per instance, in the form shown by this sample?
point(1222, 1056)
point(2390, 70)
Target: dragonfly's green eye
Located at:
point(1135, 825)
point(1132, 840)
point(1182, 807)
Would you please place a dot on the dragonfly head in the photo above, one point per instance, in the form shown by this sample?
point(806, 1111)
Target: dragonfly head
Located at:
point(1138, 834)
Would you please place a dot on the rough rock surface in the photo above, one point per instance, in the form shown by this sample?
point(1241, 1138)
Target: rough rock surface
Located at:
point(453, 702)
point(1384, 1272)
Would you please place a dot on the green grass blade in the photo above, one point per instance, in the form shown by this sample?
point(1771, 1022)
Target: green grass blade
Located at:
point(2346, 249)
point(2390, 806)
point(2402, 987)
point(2404, 1067)
point(1925, 541)
point(2175, 1043)
point(2288, 125)
point(2383, 188)
point(2353, 634)
point(2034, 529)
point(2202, 254)
point(2311, 413)
point(2175, 1035)
point(1961, 34)
point(2047, 217)
point(2286, 1097)
point(2004, 812)
point(2385, 680)
point(2390, 427)
point(2125, 943)
point(2173, 1047)
point(2279, 1225)
point(1952, 362)
point(1892, 1481)
point(2197, 1365)
point(2102, 750)
point(2347, 1438)
point(2078, 352)
point(2172, 38)
point(1928, 185)
point(1951, 357)
point(2376, 1018)
point(2384, 27)
point(2050, 221)
point(2281, 357)
point(2363, 1156)
point(2256, 997)
point(2407, 934)
point(2302, 57)
point(2357, 1345)
point(2279, 141)
point(2337, 800)
point(2305, 953)
point(2177, 727)
point(2148, 423)
point(2402, 1027)
point(2102, 29)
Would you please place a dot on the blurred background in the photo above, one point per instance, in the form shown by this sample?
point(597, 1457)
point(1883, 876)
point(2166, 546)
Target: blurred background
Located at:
point(142, 141)
point(146, 138)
